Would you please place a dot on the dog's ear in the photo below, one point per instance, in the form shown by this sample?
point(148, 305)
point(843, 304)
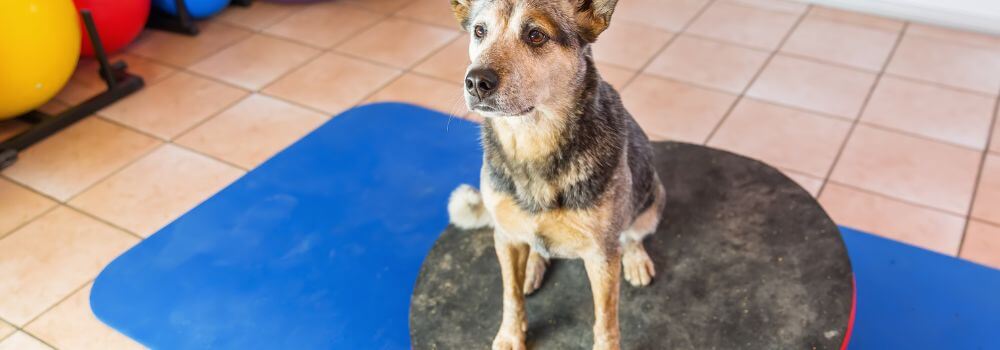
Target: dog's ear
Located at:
point(461, 8)
point(593, 17)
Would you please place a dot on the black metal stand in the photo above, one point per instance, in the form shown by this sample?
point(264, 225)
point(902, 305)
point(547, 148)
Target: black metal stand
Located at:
point(181, 23)
point(115, 75)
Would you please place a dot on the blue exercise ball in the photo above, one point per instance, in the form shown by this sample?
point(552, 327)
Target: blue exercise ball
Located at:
point(197, 8)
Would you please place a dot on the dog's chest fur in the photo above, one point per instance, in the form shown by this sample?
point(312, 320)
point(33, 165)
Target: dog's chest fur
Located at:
point(551, 165)
point(548, 186)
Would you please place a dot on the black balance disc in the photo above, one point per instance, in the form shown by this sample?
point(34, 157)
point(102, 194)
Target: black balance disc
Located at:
point(745, 259)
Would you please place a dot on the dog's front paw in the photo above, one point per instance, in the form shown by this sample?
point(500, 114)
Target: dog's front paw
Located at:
point(509, 340)
point(606, 340)
point(606, 345)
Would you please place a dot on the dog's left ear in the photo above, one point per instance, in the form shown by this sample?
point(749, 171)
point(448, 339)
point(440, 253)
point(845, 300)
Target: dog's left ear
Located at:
point(461, 10)
point(593, 17)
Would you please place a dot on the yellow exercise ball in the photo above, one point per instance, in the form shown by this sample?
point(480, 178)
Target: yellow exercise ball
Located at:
point(39, 48)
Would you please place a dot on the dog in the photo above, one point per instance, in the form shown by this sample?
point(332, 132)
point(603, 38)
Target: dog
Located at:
point(567, 171)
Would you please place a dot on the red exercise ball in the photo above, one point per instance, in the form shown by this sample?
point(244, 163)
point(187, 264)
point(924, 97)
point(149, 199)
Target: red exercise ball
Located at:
point(118, 22)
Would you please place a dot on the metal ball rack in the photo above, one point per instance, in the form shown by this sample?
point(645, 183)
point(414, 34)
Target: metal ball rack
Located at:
point(119, 81)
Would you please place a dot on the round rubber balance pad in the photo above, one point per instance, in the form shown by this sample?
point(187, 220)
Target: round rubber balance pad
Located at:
point(745, 259)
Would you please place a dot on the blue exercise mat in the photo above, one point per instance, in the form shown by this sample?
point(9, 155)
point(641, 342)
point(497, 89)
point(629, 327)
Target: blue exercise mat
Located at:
point(909, 298)
point(319, 248)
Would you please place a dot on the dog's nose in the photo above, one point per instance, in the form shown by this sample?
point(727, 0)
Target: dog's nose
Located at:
point(481, 82)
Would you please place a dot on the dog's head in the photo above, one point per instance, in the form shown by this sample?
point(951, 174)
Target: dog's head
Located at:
point(527, 55)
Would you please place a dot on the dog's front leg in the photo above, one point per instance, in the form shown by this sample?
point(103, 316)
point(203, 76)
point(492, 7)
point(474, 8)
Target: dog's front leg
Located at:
point(513, 261)
point(604, 271)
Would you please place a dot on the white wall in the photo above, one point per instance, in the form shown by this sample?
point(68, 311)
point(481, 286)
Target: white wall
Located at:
point(977, 15)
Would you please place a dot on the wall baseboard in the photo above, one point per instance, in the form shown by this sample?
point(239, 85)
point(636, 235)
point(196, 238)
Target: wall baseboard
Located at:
point(952, 14)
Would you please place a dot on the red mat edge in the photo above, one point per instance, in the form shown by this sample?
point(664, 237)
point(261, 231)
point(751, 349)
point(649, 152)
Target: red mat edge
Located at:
point(850, 322)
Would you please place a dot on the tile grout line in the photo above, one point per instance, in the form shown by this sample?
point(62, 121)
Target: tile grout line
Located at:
point(40, 314)
point(859, 24)
point(667, 44)
point(319, 52)
point(438, 79)
point(894, 198)
point(165, 141)
point(817, 59)
point(940, 85)
point(331, 50)
point(402, 71)
point(979, 174)
point(11, 324)
point(766, 8)
point(398, 14)
point(38, 339)
point(296, 9)
point(293, 40)
point(30, 220)
point(640, 71)
point(959, 42)
point(357, 4)
point(461, 35)
point(106, 222)
point(201, 122)
point(861, 111)
point(67, 205)
point(379, 17)
point(213, 157)
point(921, 136)
point(820, 114)
point(753, 80)
point(77, 289)
point(200, 58)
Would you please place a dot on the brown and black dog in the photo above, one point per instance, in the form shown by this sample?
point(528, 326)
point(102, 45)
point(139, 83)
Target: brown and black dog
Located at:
point(567, 171)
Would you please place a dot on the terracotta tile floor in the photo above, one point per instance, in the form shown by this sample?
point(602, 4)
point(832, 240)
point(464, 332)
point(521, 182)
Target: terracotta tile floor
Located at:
point(892, 125)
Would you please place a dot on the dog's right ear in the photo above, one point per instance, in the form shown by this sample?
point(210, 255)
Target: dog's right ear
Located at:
point(593, 17)
point(461, 8)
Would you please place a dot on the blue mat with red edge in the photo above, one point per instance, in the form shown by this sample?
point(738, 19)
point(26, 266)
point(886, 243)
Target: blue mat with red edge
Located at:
point(319, 248)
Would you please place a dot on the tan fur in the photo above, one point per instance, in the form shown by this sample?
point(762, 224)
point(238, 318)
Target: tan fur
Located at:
point(528, 137)
point(596, 19)
point(460, 8)
point(646, 222)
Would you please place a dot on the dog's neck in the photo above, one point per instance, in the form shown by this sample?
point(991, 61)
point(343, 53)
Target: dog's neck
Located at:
point(559, 156)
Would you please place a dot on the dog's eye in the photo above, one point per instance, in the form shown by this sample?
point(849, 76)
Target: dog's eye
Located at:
point(479, 31)
point(536, 37)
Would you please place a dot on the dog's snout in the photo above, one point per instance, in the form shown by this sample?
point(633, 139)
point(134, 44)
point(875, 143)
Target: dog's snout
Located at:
point(481, 82)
